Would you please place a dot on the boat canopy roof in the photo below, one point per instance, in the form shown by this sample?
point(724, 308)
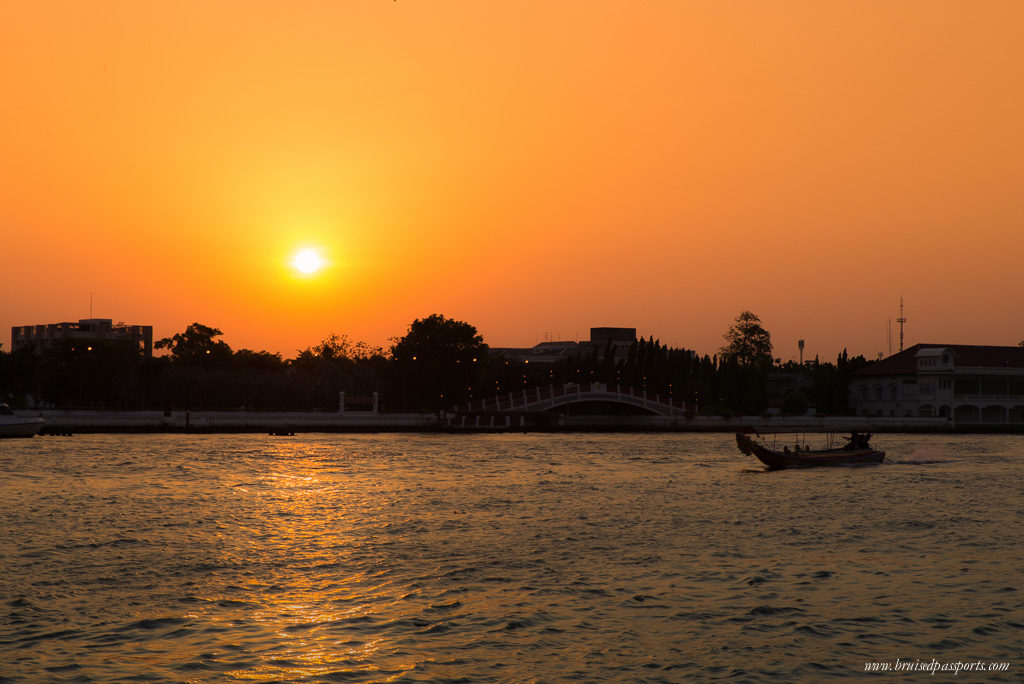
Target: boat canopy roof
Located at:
point(836, 430)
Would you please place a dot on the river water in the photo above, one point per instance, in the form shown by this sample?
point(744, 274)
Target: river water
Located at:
point(470, 558)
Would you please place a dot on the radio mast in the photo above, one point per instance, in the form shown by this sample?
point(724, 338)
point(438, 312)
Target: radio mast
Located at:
point(901, 320)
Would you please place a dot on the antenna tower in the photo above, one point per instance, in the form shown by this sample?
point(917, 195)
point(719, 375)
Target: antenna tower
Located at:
point(800, 343)
point(901, 320)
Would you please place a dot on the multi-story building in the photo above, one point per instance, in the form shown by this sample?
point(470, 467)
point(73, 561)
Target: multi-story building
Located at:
point(620, 340)
point(967, 383)
point(87, 330)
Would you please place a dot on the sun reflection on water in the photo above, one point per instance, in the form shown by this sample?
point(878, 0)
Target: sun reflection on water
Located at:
point(317, 525)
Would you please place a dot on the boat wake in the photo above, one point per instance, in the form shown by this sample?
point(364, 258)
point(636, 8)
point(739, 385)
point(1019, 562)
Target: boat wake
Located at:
point(923, 457)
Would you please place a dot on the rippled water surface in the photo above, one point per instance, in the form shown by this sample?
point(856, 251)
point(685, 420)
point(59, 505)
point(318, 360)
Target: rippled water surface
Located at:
point(500, 558)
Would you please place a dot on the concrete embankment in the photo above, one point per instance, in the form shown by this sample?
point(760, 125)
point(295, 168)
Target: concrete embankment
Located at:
point(61, 422)
point(568, 423)
point(73, 421)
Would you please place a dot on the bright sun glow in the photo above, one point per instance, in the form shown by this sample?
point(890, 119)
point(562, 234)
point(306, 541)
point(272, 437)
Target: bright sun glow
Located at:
point(307, 261)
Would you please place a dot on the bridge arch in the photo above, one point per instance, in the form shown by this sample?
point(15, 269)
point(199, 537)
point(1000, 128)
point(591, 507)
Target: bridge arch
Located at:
point(540, 399)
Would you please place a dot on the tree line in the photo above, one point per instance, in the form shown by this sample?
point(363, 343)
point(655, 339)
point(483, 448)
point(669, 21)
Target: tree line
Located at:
point(439, 363)
point(733, 381)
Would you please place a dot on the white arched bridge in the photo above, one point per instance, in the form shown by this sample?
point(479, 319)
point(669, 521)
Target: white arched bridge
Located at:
point(540, 399)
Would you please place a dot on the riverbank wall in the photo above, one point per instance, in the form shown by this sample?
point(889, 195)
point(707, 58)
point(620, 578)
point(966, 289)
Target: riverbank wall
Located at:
point(70, 421)
point(287, 422)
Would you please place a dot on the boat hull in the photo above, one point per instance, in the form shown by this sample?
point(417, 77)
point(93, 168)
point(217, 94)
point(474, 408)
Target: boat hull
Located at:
point(777, 460)
point(22, 427)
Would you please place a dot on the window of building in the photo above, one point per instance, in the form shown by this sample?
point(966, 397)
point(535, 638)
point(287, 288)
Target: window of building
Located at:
point(996, 386)
point(967, 386)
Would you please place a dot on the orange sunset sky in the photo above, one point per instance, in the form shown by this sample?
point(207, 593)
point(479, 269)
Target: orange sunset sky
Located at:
point(529, 167)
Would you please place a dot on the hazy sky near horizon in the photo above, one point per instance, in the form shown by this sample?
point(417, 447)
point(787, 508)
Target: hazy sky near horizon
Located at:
point(530, 167)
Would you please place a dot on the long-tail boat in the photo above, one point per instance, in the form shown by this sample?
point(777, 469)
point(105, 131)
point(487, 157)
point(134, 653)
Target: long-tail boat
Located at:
point(857, 451)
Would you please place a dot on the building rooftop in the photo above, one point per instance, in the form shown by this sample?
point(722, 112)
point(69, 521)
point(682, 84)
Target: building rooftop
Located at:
point(964, 355)
point(46, 335)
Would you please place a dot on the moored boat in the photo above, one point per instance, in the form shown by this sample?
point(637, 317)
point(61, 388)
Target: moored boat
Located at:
point(857, 451)
point(13, 425)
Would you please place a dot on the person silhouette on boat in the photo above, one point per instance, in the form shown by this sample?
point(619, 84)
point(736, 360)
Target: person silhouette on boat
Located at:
point(859, 440)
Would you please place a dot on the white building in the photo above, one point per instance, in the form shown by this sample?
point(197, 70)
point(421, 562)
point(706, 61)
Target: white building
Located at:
point(968, 383)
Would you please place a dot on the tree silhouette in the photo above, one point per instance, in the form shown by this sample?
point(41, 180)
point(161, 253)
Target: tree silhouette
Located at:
point(340, 347)
point(747, 343)
point(439, 361)
point(196, 345)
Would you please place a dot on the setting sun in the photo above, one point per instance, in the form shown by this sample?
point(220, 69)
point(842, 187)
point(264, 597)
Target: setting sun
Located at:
point(307, 261)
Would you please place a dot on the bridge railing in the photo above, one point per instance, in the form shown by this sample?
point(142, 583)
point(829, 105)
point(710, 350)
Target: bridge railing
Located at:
point(536, 397)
